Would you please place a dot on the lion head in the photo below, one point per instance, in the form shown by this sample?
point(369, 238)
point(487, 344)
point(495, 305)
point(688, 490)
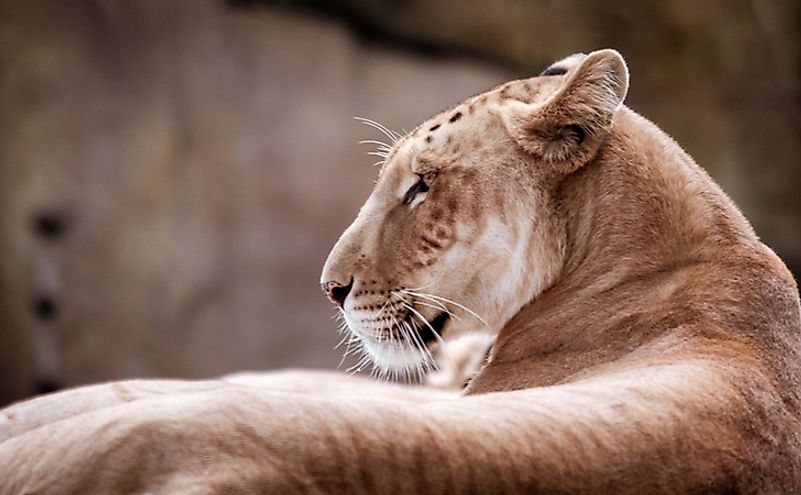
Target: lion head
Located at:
point(459, 232)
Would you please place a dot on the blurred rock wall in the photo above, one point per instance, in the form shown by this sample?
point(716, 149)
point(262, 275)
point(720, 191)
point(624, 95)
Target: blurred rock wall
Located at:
point(172, 174)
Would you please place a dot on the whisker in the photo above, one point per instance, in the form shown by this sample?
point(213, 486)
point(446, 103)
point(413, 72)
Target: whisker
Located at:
point(418, 342)
point(424, 287)
point(446, 300)
point(413, 337)
point(384, 306)
point(428, 359)
point(392, 135)
point(348, 351)
point(359, 365)
point(407, 338)
point(347, 337)
point(376, 142)
point(437, 305)
point(342, 341)
point(424, 321)
point(349, 345)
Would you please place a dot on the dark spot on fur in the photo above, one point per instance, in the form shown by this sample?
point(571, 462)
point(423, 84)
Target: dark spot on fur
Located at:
point(471, 108)
point(554, 71)
point(428, 139)
point(455, 117)
point(449, 140)
point(434, 127)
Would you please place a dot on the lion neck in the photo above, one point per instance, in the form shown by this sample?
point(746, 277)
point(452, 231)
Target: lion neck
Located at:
point(629, 220)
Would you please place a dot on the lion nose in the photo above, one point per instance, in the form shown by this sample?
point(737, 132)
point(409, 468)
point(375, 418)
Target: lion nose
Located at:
point(336, 292)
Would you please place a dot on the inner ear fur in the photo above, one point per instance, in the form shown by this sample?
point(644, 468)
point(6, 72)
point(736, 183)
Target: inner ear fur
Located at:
point(570, 124)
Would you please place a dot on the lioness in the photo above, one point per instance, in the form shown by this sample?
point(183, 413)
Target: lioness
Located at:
point(646, 341)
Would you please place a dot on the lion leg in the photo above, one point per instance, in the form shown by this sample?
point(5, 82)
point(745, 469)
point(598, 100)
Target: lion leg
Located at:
point(27, 415)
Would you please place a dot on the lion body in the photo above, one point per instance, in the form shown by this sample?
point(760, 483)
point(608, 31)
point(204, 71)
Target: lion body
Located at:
point(647, 342)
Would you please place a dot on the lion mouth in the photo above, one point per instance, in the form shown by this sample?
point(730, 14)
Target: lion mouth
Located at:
point(425, 333)
point(431, 331)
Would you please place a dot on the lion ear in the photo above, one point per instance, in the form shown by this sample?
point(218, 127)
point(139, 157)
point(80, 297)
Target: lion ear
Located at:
point(569, 124)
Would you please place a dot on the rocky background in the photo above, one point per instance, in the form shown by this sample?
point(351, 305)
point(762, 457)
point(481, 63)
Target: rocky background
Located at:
point(173, 173)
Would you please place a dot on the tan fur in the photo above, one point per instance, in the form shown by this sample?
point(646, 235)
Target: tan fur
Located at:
point(459, 361)
point(646, 341)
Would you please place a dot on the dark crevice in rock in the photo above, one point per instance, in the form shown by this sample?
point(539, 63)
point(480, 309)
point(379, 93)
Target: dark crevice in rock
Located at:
point(46, 385)
point(382, 35)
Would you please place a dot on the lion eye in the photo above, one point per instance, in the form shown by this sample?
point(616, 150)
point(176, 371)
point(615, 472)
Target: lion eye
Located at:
point(420, 187)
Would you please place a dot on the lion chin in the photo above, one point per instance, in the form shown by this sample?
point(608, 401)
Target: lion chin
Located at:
point(404, 348)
